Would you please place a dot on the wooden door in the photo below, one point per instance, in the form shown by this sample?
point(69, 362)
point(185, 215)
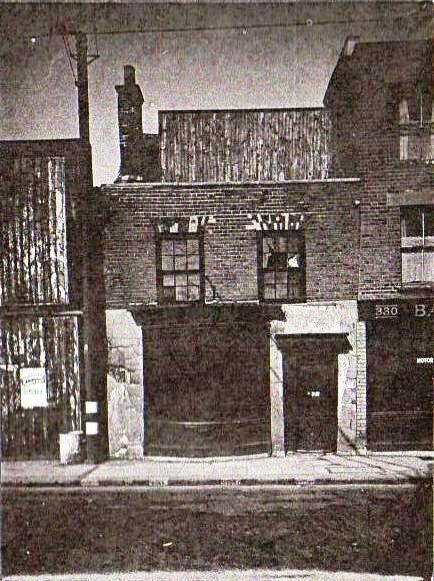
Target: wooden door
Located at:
point(311, 402)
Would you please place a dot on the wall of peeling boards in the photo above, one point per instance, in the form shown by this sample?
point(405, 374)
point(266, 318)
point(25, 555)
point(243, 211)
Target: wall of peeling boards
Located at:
point(33, 259)
point(45, 351)
point(238, 146)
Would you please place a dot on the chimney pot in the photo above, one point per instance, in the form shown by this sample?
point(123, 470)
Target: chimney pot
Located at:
point(350, 44)
point(129, 75)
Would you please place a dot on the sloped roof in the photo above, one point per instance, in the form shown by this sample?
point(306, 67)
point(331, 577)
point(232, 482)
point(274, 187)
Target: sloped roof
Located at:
point(393, 62)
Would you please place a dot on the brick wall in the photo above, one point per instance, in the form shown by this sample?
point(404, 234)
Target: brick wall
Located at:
point(231, 249)
point(363, 98)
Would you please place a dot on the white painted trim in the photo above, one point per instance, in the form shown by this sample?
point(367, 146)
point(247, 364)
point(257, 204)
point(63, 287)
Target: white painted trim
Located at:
point(158, 185)
point(92, 428)
point(91, 407)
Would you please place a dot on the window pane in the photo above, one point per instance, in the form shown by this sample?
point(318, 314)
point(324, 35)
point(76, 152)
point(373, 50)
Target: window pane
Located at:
point(167, 263)
point(168, 293)
point(192, 246)
point(193, 293)
point(268, 244)
point(295, 242)
point(281, 291)
point(180, 247)
point(167, 247)
point(181, 280)
point(411, 266)
point(193, 279)
point(180, 263)
point(295, 287)
point(294, 261)
point(181, 293)
point(403, 147)
point(169, 280)
point(269, 278)
point(429, 222)
point(281, 277)
point(428, 266)
point(411, 222)
point(267, 249)
point(268, 292)
point(193, 262)
point(277, 261)
point(282, 244)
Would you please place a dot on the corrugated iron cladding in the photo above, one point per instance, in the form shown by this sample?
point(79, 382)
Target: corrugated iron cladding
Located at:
point(238, 146)
point(33, 257)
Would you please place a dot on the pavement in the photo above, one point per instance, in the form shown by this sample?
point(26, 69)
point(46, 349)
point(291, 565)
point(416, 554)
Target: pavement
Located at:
point(296, 469)
point(225, 575)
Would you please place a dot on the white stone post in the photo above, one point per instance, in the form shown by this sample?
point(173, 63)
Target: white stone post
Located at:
point(276, 400)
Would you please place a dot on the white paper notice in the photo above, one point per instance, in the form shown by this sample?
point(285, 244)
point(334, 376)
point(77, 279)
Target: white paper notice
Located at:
point(33, 387)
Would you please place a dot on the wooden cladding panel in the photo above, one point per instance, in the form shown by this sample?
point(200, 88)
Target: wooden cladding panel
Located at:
point(33, 255)
point(52, 344)
point(237, 146)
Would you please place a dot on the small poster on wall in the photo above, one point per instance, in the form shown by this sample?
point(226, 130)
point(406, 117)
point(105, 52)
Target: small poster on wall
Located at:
point(33, 387)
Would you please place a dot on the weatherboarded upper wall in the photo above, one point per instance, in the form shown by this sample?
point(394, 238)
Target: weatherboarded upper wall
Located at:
point(244, 145)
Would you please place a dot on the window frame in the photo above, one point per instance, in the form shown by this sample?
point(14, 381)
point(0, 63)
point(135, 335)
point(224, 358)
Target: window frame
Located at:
point(415, 244)
point(415, 123)
point(261, 270)
point(184, 236)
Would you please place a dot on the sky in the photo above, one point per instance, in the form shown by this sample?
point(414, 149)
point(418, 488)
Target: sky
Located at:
point(203, 55)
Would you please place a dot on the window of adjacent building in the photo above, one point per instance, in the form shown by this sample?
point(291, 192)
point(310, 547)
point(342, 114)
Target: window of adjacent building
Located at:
point(416, 115)
point(281, 272)
point(180, 268)
point(417, 244)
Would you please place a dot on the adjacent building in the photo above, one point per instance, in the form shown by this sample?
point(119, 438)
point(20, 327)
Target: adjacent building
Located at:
point(381, 106)
point(40, 295)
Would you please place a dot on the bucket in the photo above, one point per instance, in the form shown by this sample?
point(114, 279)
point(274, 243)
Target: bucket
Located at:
point(70, 447)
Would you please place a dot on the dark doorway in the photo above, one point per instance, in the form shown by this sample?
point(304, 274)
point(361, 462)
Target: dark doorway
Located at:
point(310, 365)
point(400, 385)
point(207, 390)
point(311, 402)
point(206, 379)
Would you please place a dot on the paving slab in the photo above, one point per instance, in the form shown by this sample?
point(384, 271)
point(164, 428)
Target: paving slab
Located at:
point(225, 575)
point(293, 469)
point(43, 472)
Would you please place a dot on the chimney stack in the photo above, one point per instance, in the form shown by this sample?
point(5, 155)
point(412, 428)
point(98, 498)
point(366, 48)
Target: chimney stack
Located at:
point(130, 101)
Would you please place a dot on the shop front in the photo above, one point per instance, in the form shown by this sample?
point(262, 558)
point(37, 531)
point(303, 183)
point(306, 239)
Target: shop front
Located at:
point(206, 380)
point(399, 374)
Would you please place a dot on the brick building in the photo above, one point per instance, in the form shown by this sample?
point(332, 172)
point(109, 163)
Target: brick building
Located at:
point(380, 103)
point(269, 272)
point(40, 295)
